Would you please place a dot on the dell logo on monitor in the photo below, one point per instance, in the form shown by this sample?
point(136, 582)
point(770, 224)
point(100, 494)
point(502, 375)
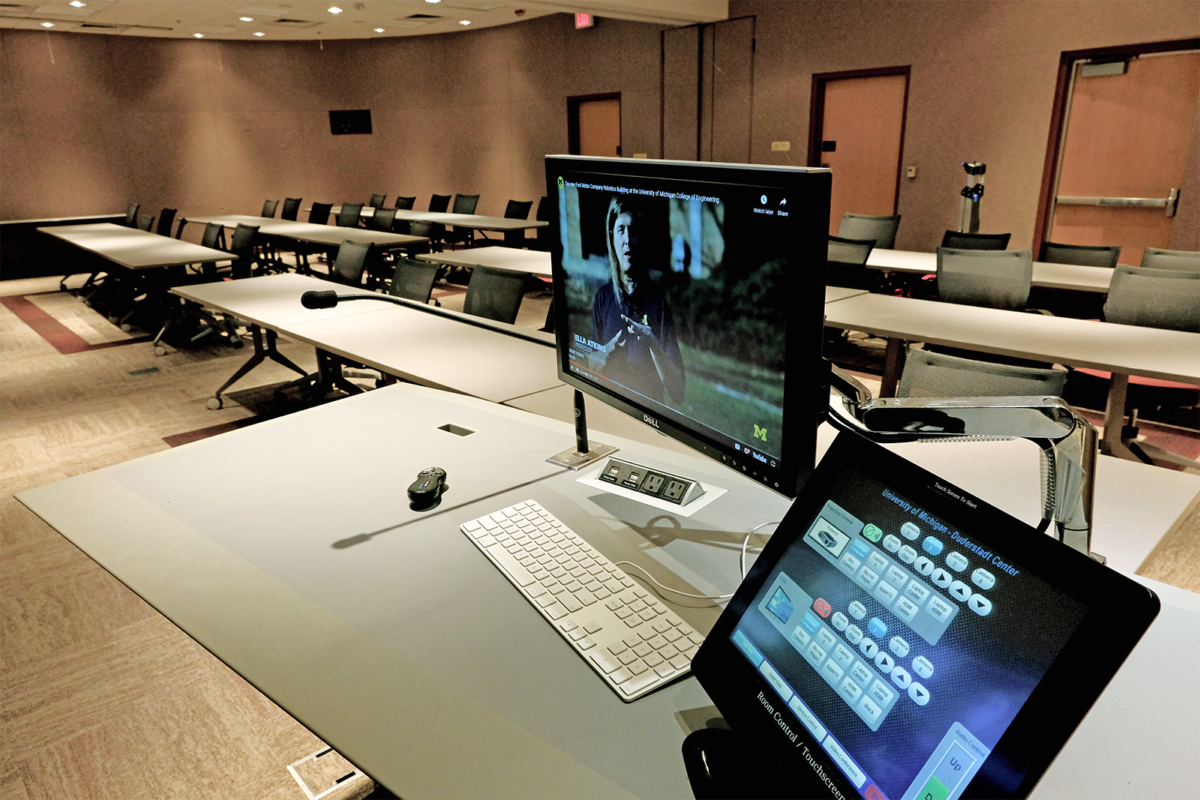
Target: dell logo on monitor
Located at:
point(650, 420)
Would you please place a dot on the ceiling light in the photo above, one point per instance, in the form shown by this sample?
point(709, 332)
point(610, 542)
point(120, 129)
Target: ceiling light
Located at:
point(198, 35)
point(77, 4)
point(434, 2)
point(334, 10)
point(246, 19)
point(464, 22)
point(259, 33)
point(379, 30)
point(47, 24)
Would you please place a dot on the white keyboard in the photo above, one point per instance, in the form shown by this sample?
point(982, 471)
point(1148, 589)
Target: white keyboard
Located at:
point(632, 641)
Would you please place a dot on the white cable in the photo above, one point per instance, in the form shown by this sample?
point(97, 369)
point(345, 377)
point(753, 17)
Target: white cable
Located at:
point(745, 544)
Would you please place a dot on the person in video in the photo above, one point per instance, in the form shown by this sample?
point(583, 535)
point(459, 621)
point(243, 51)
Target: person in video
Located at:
point(630, 317)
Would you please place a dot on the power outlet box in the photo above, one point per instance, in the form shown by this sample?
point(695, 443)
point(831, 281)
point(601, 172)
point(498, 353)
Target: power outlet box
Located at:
point(653, 482)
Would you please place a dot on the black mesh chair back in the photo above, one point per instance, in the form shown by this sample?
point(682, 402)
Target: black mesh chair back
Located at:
point(145, 222)
point(881, 230)
point(291, 209)
point(845, 264)
point(351, 262)
point(349, 215)
point(465, 203)
point(1154, 298)
point(494, 294)
point(242, 246)
point(382, 220)
point(1188, 260)
point(213, 236)
point(319, 213)
point(439, 202)
point(405, 203)
point(1085, 255)
point(416, 228)
point(378, 201)
point(131, 214)
point(931, 374)
point(413, 279)
point(269, 207)
point(165, 220)
point(516, 209)
point(543, 233)
point(990, 278)
point(975, 241)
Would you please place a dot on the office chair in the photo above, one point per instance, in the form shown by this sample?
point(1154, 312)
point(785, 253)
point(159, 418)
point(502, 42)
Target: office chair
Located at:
point(377, 201)
point(319, 213)
point(494, 294)
point(1154, 258)
point(131, 215)
point(145, 222)
point(268, 209)
point(351, 262)
point(414, 279)
point(405, 203)
point(845, 263)
point(291, 209)
point(1158, 298)
point(882, 230)
point(349, 215)
point(204, 322)
point(165, 220)
point(990, 278)
point(242, 246)
point(1085, 255)
point(931, 374)
point(516, 209)
point(975, 241)
point(439, 202)
point(382, 220)
point(541, 239)
point(463, 204)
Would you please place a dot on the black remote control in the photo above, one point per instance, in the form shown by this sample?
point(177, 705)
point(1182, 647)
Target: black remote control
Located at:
point(428, 487)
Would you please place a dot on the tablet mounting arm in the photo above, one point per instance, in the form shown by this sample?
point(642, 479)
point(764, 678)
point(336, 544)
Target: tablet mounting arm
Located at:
point(1067, 440)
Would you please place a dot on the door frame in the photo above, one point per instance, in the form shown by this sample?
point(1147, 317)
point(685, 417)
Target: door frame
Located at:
point(816, 113)
point(1058, 116)
point(573, 119)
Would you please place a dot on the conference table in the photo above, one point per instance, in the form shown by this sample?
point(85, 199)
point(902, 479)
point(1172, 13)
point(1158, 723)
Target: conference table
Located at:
point(388, 634)
point(410, 341)
point(513, 259)
point(1072, 277)
point(477, 222)
point(134, 249)
point(1122, 350)
point(328, 235)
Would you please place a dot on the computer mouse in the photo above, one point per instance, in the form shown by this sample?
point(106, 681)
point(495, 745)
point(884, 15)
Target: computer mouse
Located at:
point(427, 489)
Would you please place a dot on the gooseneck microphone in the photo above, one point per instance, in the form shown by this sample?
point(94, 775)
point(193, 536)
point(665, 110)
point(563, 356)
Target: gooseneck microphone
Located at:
point(329, 299)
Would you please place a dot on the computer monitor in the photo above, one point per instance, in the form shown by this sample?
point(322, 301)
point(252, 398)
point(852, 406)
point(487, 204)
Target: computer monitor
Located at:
point(690, 296)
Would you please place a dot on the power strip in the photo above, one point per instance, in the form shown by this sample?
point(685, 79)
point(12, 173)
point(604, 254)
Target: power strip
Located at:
point(653, 482)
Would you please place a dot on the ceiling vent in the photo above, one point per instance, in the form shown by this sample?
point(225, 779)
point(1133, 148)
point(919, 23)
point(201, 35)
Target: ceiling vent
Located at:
point(285, 22)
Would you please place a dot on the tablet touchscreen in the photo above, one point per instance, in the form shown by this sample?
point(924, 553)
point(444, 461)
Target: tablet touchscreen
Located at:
point(900, 638)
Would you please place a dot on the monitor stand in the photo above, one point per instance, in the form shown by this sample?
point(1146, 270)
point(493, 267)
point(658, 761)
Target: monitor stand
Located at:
point(583, 455)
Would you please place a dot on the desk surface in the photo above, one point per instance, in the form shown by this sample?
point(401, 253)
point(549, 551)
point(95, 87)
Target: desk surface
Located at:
point(135, 249)
point(1045, 274)
point(1126, 349)
point(533, 262)
point(438, 348)
point(390, 636)
point(476, 221)
point(332, 235)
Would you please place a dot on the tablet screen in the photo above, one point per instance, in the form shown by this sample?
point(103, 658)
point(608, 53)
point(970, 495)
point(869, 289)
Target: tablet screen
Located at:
point(902, 630)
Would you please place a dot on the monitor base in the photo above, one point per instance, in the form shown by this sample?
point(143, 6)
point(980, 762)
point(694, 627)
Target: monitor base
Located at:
point(575, 460)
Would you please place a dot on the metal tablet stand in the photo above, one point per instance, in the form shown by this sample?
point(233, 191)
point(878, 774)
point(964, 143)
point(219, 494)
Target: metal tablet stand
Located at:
point(972, 193)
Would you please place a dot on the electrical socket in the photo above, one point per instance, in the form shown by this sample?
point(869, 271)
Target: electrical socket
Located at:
point(675, 490)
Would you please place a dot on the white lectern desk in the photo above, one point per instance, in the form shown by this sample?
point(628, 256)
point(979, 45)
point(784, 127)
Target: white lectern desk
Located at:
point(388, 634)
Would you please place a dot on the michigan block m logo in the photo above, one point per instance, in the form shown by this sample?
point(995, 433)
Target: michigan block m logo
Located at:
point(760, 433)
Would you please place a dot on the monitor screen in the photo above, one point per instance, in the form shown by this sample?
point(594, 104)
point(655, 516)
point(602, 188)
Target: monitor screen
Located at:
point(899, 638)
point(690, 296)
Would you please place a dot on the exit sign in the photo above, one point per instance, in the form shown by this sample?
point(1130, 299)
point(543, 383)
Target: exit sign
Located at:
point(584, 20)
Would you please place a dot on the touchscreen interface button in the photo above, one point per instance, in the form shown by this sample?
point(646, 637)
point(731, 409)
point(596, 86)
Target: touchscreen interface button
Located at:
point(906, 609)
point(901, 678)
point(980, 605)
point(983, 579)
point(923, 667)
point(941, 578)
point(839, 621)
point(918, 694)
point(924, 566)
point(891, 543)
point(857, 610)
point(907, 554)
point(960, 591)
point(956, 561)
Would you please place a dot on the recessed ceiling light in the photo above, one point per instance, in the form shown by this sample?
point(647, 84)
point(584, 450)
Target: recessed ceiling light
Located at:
point(77, 4)
point(259, 33)
point(334, 10)
point(464, 22)
point(198, 35)
point(246, 19)
point(47, 24)
point(379, 30)
point(434, 2)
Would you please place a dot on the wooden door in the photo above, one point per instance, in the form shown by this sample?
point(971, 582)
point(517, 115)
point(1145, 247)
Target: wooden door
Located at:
point(594, 125)
point(860, 120)
point(1129, 126)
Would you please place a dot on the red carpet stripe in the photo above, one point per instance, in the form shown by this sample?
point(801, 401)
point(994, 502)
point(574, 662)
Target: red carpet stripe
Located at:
point(63, 339)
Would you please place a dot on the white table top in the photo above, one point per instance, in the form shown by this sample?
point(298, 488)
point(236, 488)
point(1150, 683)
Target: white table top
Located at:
point(1127, 349)
point(135, 249)
point(434, 347)
point(56, 220)
point(476, 221)
point(332, 235)
point(513, 259)
point(389, 635)
point(1045, 274)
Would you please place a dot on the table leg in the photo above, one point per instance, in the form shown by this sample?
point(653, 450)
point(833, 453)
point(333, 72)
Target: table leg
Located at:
point(261, 353)
point(893, 365)
point(1114, 419)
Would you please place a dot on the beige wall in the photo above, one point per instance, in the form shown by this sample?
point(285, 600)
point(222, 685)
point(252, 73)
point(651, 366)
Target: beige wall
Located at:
point(91, 122)
point(982, 87)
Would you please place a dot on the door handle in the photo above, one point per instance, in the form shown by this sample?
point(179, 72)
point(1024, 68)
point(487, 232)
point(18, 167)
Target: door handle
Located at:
point(1168, 203)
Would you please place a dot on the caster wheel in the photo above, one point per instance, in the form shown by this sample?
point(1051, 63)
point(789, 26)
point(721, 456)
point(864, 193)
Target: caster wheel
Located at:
point(159, 350)
point(215, 403)
point(237, 344)
point(113, 320)
point(126, 327)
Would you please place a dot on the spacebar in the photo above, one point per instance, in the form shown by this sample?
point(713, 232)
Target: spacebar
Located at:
point(519, 574)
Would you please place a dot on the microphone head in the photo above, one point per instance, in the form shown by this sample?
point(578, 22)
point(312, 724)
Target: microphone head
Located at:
point(325, 299)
